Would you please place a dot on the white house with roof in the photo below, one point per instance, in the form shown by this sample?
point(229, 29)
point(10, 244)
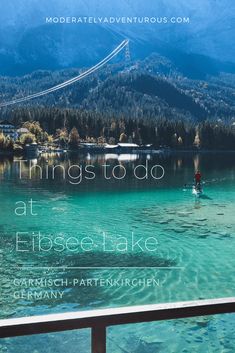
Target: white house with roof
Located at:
point(8, 129)
point(122, 147)
point(22, 131)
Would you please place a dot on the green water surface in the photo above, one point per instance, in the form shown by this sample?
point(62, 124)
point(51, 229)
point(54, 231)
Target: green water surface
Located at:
point(194, 256)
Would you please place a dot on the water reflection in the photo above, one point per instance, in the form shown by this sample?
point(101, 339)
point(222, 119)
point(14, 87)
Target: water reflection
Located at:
point(179, 169)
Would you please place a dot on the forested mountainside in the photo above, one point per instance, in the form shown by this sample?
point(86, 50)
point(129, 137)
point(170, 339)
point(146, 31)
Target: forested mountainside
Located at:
point(154, 88)
point(150, 101)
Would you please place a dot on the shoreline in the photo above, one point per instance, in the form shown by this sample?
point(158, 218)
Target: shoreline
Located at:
point(102, 151)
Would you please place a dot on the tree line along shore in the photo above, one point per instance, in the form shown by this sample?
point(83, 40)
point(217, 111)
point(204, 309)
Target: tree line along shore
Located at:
point(69, 128)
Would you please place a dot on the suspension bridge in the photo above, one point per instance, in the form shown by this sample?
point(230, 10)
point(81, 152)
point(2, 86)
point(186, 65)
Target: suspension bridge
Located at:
point(115, 52)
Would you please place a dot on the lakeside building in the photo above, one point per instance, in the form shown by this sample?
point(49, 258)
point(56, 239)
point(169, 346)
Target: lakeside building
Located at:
point(122, 147)
point(8, 129)
point(22, 131)
point(32, 150)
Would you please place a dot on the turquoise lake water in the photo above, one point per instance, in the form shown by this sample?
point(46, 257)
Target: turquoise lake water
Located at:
point(193, 241)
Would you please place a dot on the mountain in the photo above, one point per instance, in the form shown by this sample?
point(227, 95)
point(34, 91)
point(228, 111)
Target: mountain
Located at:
point(28, 43)
point(151, 89)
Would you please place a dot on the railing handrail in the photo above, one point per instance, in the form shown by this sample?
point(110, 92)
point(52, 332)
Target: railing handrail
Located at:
point(102, 318)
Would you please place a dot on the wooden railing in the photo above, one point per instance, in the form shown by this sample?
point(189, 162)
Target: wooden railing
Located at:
point(99, 320)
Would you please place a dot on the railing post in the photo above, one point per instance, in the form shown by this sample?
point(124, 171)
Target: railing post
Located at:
point(98, 339)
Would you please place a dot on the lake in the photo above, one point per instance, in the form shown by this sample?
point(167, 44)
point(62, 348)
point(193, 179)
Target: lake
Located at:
point(115, 240)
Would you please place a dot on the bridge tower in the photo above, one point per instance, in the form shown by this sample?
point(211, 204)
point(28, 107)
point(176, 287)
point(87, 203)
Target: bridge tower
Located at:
point(127, 55)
